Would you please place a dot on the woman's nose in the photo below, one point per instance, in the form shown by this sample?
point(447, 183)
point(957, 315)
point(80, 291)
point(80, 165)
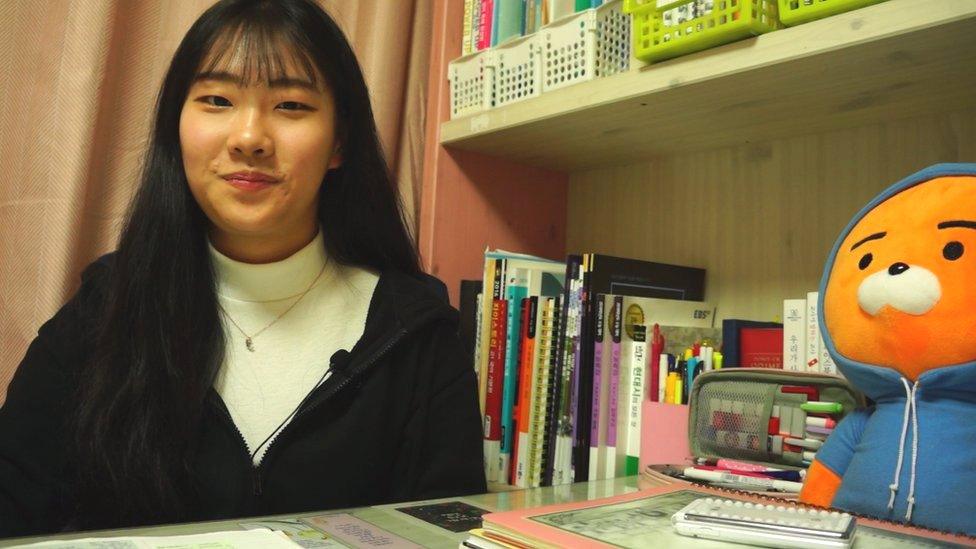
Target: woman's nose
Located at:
point(249, 137)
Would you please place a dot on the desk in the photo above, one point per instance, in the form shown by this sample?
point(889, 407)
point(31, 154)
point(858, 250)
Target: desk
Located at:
point(388, 518)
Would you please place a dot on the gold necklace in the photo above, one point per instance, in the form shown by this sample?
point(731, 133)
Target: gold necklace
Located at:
point(249, 339)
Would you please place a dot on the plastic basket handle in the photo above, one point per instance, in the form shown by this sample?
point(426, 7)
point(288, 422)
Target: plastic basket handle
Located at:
point(632, 6)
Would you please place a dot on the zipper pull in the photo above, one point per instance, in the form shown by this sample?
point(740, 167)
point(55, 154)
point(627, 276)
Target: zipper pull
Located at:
point(256, 478)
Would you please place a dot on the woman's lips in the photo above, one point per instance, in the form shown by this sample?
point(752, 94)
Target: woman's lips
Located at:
point(249, 185)
point(250, 181)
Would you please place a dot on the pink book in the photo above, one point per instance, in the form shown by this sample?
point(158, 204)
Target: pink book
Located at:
point(643, 519)
point(484, 24)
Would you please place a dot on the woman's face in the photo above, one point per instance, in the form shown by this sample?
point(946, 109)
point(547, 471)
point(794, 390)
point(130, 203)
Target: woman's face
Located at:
point(255, 155)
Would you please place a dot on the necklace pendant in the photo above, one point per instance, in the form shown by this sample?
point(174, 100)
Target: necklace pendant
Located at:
point(249, 344)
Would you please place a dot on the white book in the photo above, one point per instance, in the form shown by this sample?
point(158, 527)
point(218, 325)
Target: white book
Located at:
point(812, 355)
point(827, 364)
point(794, 335)
point(633, 380)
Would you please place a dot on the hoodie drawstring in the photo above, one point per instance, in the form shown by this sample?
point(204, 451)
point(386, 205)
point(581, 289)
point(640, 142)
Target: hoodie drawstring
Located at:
point(910, 410)
point(911, 482)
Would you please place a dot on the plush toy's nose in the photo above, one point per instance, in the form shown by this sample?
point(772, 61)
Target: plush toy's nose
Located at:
point(897, 268)
point(910, 289)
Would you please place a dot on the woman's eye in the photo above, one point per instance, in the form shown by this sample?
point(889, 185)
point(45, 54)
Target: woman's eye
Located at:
point(865, 261)
point(294, 106)
point(952, 251)
point(215, 101)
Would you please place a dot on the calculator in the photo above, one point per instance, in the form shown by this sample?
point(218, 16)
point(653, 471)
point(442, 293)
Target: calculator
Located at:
point(764, 525)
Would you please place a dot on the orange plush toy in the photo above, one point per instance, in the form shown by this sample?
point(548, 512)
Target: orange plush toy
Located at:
point(898, 313)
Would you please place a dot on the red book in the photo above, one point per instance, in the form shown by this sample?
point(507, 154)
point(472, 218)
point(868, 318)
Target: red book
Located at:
point(485, 24)
point(520, 411)
point(496, 369)
point(761, 347)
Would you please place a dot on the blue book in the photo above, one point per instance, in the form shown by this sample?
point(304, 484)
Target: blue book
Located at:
point(516, 289)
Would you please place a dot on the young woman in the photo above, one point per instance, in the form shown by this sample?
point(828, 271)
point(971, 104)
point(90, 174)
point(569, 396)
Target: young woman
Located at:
point(263, 341)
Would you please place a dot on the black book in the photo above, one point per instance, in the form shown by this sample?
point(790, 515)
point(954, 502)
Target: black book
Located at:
point(468, 309)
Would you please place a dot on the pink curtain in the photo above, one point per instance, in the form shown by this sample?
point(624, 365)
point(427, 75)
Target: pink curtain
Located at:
point(78, 79)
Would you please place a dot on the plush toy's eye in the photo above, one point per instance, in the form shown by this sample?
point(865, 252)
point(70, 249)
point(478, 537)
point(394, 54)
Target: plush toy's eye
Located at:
point(952, 251)
point(865, 261)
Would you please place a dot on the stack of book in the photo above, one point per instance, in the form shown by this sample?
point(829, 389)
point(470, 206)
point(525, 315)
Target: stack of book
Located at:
point(488, 23)
point(562, 354)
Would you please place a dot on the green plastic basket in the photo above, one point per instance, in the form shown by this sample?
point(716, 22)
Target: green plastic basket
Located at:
point(727, 21)
point(794, 12)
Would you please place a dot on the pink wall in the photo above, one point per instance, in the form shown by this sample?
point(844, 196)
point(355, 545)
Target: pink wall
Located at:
point(470, 201)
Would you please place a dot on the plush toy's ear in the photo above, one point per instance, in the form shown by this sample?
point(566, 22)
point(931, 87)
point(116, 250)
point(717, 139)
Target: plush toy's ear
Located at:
point(820, 485)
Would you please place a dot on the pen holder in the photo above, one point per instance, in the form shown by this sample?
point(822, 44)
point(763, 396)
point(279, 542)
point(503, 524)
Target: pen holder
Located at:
point(772, 417)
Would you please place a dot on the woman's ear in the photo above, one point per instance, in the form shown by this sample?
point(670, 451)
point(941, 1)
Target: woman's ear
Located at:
point(336, 160)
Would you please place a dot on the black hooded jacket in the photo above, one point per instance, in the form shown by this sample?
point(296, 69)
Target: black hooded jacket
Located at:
point(397, 420)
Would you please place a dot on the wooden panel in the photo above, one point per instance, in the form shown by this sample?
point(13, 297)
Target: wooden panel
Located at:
point(760, 218)
point(897, 59)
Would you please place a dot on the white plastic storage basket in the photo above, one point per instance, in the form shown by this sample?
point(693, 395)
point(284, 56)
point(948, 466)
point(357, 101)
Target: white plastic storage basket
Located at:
point(518, 69)
point(472, 79)
point(589, 44)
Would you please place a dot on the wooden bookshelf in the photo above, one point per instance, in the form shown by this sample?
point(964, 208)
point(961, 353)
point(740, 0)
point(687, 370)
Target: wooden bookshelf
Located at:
point(894, 60)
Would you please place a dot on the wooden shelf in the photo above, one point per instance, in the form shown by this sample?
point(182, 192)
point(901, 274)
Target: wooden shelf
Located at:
point(883, 62)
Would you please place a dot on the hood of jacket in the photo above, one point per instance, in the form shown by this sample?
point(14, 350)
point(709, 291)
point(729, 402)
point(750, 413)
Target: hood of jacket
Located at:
point(957, 381)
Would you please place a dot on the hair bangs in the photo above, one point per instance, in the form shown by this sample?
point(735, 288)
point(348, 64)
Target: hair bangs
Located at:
point(256, 52)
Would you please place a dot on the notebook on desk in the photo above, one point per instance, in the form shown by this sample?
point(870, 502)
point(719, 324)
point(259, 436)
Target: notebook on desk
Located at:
point(643, 519)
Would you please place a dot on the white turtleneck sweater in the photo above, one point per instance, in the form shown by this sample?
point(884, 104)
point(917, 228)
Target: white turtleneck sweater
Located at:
point(291, 357)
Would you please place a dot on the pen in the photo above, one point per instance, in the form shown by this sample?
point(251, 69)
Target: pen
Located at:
point(754, 482)
point(822, 407)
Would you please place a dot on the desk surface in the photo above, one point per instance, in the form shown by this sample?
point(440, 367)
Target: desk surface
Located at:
point(388, 518)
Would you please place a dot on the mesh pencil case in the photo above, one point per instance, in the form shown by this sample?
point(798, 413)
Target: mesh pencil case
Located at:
point(771, 417)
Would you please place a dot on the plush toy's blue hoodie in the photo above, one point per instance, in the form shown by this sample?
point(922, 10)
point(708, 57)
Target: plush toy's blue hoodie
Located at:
point(911, 457)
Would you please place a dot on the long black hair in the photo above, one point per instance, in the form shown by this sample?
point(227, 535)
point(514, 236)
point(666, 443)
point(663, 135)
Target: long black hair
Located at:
point(159, 341)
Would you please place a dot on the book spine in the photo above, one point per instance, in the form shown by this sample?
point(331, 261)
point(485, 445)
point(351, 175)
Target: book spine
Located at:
point(812, 354)
point(613, 408)
point(552, 386)
point(555, 421)
point(476, 26)
point(477, 329)
point(562, 461)
point(520, 414)
point(636, 368)
point(467, 27)
point(515, 289)
point(484, 25)
point(583, 390)
point(540, 390)
point(493, 405)
point(794, 334)
point(598, 438)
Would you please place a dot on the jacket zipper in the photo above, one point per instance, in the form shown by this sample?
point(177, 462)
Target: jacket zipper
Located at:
point(256, 476)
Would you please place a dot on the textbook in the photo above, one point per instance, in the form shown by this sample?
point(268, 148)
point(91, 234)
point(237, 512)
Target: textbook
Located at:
point(239, 539)
point(643, 519)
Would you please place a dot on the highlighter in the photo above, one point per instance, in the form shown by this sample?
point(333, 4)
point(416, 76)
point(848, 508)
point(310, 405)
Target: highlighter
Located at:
point(716, 360)
point(669, 387)
point(822, 407)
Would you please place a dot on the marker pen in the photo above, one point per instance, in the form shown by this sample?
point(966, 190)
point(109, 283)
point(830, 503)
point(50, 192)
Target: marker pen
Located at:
point(755, 482)
point(808, 443)
point(822, 422)
point(822, 407)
